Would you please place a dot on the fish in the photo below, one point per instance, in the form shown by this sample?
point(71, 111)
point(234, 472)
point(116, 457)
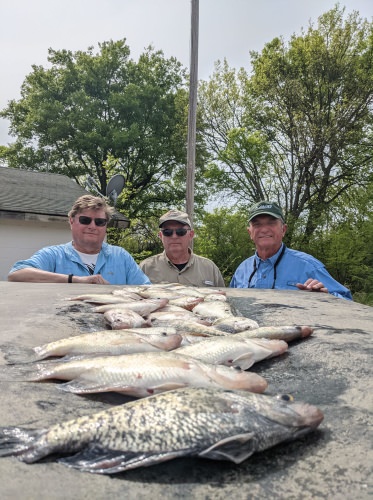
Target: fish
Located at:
point(213, 310)
point(234, 324)
point(166, 316)
point(122, 318)
point(111, 342)
point(203, 423)
point(287, 333)
point(96, 298)
point(142, 307)
point(130, 296)
point(215, 296)
point(231, 351)
point(187, 302)
point(137, 375)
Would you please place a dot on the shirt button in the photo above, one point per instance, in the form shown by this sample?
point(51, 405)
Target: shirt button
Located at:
point(264, 275)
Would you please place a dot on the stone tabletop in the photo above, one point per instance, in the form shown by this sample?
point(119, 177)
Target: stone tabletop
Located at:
point(331, 369)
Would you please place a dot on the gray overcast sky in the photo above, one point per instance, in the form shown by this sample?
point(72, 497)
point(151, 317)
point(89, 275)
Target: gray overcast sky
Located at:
point(227, 29)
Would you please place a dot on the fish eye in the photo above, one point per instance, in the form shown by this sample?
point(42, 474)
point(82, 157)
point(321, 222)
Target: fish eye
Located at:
point(285, 397)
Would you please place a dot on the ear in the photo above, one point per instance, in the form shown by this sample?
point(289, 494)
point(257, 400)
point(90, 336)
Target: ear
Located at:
point(284, 229)
point(191, 234)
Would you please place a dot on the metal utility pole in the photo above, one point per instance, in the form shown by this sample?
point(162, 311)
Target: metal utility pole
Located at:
point(191, 145)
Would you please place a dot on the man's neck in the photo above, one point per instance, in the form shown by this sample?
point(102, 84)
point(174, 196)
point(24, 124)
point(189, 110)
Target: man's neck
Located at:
point(88, 250)
point(266, 253)
point(178, 257)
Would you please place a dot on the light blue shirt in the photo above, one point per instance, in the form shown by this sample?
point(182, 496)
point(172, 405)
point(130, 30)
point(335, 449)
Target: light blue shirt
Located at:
point(293, 267)
point(114, 264)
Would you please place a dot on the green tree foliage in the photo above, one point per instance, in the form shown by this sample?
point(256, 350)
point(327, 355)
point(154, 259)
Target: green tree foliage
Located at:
point(299, 129)
point(101, 114)
point(222, 237)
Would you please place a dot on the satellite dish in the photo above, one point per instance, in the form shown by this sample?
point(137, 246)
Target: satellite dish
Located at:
point(115, 187)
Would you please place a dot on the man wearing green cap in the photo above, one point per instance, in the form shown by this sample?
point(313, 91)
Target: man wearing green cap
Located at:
point(276, 266)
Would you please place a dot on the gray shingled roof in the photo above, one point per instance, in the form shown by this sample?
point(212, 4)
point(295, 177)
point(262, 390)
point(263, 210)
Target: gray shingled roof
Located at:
point(44, 193)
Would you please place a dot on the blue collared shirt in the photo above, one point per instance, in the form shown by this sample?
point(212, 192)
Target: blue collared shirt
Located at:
point(293, 267)
point(114, 264)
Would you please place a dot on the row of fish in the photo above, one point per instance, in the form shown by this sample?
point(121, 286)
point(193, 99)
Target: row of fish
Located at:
point(185, 353)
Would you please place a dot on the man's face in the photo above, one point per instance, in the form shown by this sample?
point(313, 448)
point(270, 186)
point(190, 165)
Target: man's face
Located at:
point(88, 237)
point(175, 243)
point(267, 232)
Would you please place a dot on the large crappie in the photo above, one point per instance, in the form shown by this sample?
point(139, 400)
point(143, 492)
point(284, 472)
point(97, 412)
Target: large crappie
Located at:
point(137, 375)
point(215, 424)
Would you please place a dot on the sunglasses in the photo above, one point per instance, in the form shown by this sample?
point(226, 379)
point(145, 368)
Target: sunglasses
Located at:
point(181, 231)
point(83, 219)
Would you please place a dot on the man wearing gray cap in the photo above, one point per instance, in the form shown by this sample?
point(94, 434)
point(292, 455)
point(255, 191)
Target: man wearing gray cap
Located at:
point(276, 266)
point(178, 263)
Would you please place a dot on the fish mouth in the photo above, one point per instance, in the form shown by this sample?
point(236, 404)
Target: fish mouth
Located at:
point(310, 415)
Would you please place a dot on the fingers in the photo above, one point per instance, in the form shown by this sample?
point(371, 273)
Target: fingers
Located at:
point(312, 285)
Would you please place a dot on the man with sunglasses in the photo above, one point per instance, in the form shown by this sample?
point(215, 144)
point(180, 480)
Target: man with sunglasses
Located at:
point(178, 263)
point(276, 266)
point(87, 258)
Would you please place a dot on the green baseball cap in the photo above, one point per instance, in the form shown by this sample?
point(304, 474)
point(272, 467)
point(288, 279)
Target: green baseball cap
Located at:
point(266, 208)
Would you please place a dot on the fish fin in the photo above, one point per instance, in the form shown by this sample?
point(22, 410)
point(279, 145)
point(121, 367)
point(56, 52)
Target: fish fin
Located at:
point(235, 448)
point(103, 461)
point(14, 354)
point(82, 386)
point(22, 443)
point(245, 361)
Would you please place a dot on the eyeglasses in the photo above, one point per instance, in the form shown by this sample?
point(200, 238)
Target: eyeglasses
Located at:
point(181, 231)
point(83, 219)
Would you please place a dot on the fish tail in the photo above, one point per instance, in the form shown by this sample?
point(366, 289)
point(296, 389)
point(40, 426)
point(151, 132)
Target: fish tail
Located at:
point(24, 372)
point(21, 443)
point(14, 354)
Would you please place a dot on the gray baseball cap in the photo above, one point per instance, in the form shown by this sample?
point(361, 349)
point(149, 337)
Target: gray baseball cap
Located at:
point(175, 215)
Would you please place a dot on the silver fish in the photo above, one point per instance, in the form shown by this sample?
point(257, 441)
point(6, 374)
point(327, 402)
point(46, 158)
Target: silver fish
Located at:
point(230, 351)
point(213, 310)
point(287, 333)
point(234, 324)
point(137, 375)
point(119, 319)
point(97, 298)
point(142, 307)
point(214, 424)
point(188, 302)
point(166, 316)
point(108, 342)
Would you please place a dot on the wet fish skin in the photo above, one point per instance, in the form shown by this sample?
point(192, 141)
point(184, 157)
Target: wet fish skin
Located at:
point(213, 310)
point(142, 307)
point(231, 351)
point(286, 333)
point(137, 375)
point(99, 298)
point(187, 302)
point(214, 424)
point(108, 342)
point(122, 318)
point(234, 324)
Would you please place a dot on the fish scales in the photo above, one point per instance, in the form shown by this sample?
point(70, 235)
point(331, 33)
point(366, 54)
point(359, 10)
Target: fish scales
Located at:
point(101, 342)
point(214, 424)
point(136, 375)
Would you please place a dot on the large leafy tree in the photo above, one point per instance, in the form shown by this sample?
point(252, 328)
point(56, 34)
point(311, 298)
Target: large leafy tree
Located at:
point(100, 114)
point(299, 128)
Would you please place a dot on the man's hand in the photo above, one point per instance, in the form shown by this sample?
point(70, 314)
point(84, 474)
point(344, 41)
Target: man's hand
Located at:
point(94, 279)
point(312, 285)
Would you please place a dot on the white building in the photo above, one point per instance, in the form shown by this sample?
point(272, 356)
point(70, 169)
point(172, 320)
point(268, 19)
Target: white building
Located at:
point(33, 213)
